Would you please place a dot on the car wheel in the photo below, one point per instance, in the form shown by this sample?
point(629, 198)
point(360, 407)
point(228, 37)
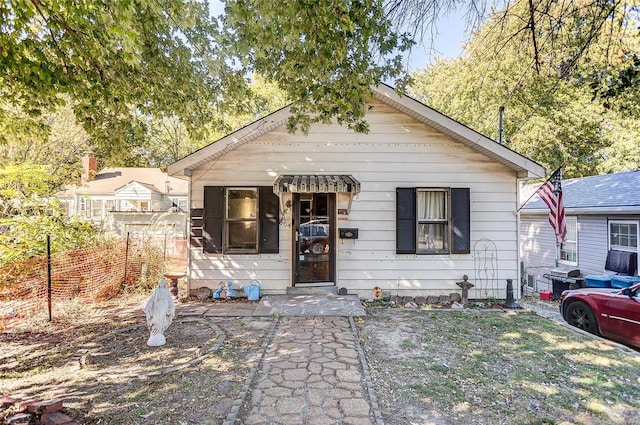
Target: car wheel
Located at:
point(581, 316)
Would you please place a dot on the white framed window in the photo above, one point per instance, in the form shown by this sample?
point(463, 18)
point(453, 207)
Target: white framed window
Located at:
point(568, 252)
point(623, 235)
point(433, 221)
point(241, 220)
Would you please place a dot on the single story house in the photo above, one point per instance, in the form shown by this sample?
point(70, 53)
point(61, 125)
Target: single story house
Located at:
point(409, 208)
point(132, 200)
point(602, 214)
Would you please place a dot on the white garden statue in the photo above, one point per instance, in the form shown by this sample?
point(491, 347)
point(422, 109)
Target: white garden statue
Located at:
point(160, 311)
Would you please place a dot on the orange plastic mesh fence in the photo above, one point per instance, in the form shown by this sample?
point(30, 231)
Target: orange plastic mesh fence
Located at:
point(92, 274)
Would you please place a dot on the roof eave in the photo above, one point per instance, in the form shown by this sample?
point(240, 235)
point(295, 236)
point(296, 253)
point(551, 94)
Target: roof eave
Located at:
point(626, 210)
point(185, 166)
point(524, 167)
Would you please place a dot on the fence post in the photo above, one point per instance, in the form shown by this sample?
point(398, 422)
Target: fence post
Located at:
point(126, 261)
point(164, 253)
point(49, 275)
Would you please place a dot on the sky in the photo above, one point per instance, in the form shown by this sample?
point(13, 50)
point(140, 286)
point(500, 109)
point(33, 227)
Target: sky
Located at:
point(451, 33)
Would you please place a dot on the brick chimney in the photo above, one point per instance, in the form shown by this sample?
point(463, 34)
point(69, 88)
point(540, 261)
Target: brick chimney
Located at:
point(89, 168)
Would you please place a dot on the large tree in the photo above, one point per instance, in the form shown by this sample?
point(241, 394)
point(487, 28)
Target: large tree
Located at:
point(120, 62)
point(555, 110)
point(115, 61)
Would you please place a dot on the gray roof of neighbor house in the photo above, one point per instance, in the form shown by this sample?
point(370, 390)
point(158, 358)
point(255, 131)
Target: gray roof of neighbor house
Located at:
point(108, 180)
point(525, 167)
point(604, 194)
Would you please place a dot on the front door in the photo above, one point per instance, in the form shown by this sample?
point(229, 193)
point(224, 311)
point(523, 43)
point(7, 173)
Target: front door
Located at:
point(314, 229)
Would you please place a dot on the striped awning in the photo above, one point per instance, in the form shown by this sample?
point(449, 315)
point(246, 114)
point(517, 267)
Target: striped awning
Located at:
point(316, 184)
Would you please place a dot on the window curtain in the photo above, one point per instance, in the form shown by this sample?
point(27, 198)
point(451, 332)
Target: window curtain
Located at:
point(431, 206)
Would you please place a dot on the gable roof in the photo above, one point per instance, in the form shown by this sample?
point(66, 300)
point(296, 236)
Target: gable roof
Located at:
point(608, 193)
point(524, 167)
point(108, 180)
point(132, 183)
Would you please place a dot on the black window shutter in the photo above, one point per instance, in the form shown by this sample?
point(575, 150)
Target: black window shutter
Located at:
point(405, 220)
point(196, 227)
point(213, 219)
point(269, 239)
point(460, 221)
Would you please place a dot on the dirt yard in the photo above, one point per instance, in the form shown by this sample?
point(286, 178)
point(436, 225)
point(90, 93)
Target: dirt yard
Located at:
point(428, 367)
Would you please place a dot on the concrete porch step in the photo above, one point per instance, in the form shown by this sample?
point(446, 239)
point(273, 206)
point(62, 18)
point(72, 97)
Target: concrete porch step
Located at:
point(312, 290)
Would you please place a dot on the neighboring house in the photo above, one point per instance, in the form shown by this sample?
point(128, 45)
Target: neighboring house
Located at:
point(602, 214)
point(411, 207)
point(129, 200)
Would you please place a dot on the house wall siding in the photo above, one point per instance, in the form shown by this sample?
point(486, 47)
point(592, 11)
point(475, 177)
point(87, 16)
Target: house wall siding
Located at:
point(537, 243)
point(398, 152)
point(593, 244)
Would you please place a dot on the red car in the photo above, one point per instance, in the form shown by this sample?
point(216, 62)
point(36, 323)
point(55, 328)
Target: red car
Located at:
point(612, 313)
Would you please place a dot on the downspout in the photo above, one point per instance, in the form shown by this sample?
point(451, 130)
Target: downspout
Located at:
point(188, 227)
point(518, 290)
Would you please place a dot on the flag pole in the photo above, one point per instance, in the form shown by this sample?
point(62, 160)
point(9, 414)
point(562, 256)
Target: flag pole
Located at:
point(545, 182)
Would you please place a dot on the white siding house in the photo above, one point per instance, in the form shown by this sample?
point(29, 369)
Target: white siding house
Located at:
point(130, 200)
point(410, 207)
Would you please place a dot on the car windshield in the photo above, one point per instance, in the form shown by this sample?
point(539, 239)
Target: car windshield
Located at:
point(309, 229)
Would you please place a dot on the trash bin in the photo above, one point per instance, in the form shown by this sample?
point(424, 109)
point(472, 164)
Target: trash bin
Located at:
point(621, 282)
point(592, 281)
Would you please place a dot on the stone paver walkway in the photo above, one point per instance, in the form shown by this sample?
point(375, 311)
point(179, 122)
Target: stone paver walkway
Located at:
point(312, 372)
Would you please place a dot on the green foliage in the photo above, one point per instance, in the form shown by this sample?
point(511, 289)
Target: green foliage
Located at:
point(53, 140)
point(113, 61)
point(23, 237)
point(553, 113)
point(123, 66)
point(619, 87)
point(22, 190)
point(141, 74)
point(324, 55)
point(168, 140)
point(28, 214)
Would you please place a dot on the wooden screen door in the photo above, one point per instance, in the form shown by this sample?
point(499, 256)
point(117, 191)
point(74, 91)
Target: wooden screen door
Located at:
point(314, 229)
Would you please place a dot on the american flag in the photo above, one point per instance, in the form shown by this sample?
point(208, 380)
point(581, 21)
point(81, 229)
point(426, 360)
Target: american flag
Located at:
point(551, 194)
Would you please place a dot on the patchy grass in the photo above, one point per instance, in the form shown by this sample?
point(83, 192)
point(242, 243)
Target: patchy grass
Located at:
point(37, 361)
point(481, 367)
point(428, 367)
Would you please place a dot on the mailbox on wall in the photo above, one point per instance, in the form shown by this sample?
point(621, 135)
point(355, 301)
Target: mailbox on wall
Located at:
point(348, 233)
